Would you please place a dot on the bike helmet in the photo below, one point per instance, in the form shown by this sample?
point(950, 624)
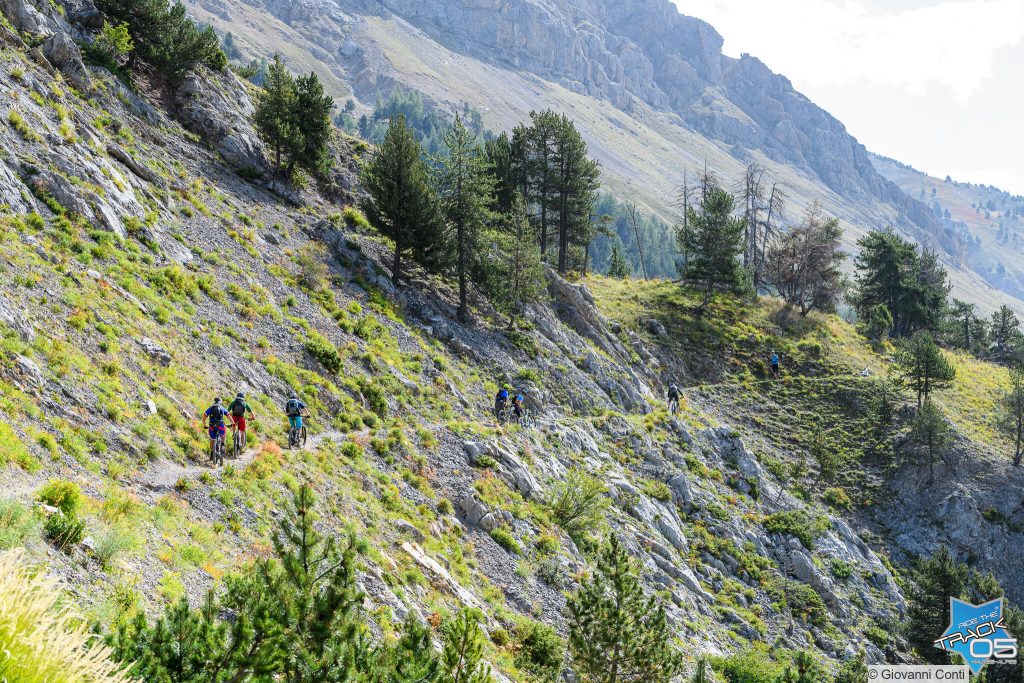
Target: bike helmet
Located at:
point(216, 401)
point(294, 395)
point(240, 395)
point(507, 386)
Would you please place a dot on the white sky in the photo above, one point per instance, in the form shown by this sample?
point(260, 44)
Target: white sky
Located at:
point(938, 84)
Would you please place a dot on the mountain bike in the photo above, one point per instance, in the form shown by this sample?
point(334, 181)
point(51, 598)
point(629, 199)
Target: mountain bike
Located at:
point(527, 420)
point(297, 435)
point(237, 441)
point(217, 450)
point(505, 414)
point(673, 406)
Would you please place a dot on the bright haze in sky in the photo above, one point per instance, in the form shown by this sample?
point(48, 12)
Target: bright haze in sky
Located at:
point(938, 84)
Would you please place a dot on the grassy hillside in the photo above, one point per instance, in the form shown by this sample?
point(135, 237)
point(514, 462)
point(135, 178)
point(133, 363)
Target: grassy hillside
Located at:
point(112, 343)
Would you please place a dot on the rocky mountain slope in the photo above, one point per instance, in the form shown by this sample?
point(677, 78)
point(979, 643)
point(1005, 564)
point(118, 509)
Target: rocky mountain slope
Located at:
point(648, 87)
point(146, 268)
point(988, 220)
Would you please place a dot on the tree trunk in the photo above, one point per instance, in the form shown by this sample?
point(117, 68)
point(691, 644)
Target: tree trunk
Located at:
point(396, 266)
point(463, 299)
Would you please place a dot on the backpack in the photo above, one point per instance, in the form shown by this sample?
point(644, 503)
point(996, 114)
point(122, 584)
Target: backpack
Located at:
point(237, 408)
point(217, 414)
point(503, 394)
point(292, 408)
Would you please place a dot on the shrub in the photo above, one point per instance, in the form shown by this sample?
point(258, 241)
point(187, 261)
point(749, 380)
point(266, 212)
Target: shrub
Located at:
point(17, 524)
point(656, 489)
point(112, 542)
point(63, 495)
point(546, 544)
point(539, 650)
point(500, 637)
point(797, 523)
point(312, 268)
point(352, 450)
point(324, 351)
point(64, 530)
point(551, 572)
point(374, 395)
point(752, 666)
point(355, 218)
point(841, 569)
point(445, 507)
point(838, 498)
point(40, 640)
point(19, 124)
point(579, 503)
point(113, 44)
point(506, 540)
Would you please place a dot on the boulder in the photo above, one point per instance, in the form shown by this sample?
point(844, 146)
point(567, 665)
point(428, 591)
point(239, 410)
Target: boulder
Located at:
point(406, 527)
point(64, 54)
point(155, 351)
point(682, 493)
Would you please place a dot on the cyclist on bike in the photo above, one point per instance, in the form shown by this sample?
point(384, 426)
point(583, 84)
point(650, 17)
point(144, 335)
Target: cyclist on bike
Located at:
point(518, 407)
point(775, 363)
point(213, 421)
point(293, 409)
point(501, 400)
point(238, 408)
point(673, 396)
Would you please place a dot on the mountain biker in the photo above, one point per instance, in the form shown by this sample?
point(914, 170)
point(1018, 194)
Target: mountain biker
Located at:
point(501, 400)
point(775, 363)
point(213, 420)
point(238, 408)
point(673, 396)
point(293, 409)
point(517, 407)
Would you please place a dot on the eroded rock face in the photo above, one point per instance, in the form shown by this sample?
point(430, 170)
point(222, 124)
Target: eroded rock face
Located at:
point(218, 107)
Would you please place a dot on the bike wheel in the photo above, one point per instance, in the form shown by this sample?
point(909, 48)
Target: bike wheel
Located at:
point(302, 438)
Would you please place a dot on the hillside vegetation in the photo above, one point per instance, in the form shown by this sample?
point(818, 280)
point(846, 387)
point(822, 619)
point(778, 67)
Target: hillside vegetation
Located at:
point(153, 258)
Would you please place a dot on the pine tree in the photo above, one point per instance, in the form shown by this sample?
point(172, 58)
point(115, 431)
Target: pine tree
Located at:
point(542, 170)
point(165, 36)
point(804, 669)
point(616, 635)
point(312, 118)
point(929, 431)
point(854, 669)
point(703, 674)
point(466, 191)
point(576, 181)
point(462, 656)
point(912, 286)
point(713, 243)
point(510, 270)
point(618, 267)
point(1007, 341)
point(1011, 413)
point(503, 166)
point(924, 366)
point(964, 329)
point(935, 581)
point(400, 203)
point(274, 118)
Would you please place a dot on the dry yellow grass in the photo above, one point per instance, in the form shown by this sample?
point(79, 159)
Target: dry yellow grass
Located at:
point(41, 642)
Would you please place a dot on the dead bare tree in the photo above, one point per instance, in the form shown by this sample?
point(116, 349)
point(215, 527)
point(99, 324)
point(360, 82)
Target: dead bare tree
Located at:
point(777, 199)
point(634, 220)
point(684, 199)
point(752, 190)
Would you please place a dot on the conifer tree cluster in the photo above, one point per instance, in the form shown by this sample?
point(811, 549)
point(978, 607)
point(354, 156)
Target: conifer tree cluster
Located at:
point(296, 618)
point(293, 118)
point(165, 36)
point(490, 213)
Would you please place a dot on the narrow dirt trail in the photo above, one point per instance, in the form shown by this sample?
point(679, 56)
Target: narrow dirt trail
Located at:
point(163, 475)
